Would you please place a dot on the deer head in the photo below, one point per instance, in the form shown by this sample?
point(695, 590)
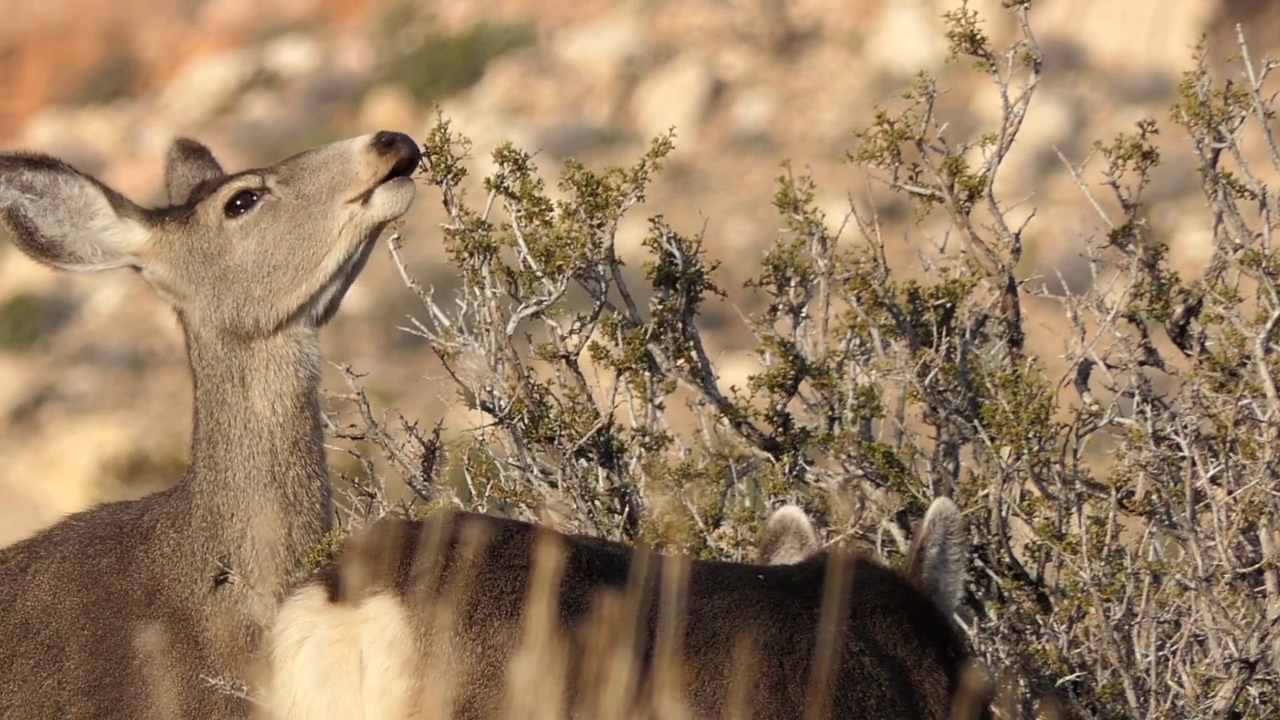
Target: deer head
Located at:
point(239, 254)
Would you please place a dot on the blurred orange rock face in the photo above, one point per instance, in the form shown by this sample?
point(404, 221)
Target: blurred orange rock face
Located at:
point(53, 51)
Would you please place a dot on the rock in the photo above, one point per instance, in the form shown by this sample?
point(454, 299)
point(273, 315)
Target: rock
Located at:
point(105, 298)
point(87, 137)
point(1054, 120)
point(237, 19)
point(742, 235)
point(1191, 244)
point(752, 114)
point(485, 130)
point(389, 106)
point(353, 55)
point(58, 472)
point(16, 381)
point(734, 369)
point(837, 216)
point(835, 89)
point(539, 91)
point(293, 55)
point(604, 50)
point(768, 23)
point(628, 242)
point(568, 138)
point(19, 273)
point(741, 64)
point(139, 178)
point(1128, 36)
point(20, 517)
point(317, 99)
point(679, 93)
point(907, 37)
point(261, 105)
point(207, 86)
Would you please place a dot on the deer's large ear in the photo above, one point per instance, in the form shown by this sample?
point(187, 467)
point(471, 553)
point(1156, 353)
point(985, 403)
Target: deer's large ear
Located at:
point(188, 164)
point(62, 217)
point(937, 555)
point(789, 538)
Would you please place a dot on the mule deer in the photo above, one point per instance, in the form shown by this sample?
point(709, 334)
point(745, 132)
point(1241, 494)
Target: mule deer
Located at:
point(125, 610)
point(426, 619)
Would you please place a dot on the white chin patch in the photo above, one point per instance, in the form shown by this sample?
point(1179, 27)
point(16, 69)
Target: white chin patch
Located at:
point(391, 199)
point(325, 297)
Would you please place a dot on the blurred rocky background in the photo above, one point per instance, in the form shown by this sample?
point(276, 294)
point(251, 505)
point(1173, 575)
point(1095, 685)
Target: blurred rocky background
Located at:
point(94, 393)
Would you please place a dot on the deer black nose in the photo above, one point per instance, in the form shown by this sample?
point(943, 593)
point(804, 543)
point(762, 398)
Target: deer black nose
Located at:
point(395, 143)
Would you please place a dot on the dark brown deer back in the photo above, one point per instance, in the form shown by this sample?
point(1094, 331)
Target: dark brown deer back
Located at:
point(891, 651)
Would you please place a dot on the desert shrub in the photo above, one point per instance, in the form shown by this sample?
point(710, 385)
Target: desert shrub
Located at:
point(1122, 513)
point(26, 318)
point(442, 63)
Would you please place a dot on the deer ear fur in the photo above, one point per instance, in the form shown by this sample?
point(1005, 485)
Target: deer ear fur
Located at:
point(788, 537)
point(188, 164)
point(64, 218)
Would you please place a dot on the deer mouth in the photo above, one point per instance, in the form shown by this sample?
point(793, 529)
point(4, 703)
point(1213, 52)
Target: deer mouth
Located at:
point(403, 169)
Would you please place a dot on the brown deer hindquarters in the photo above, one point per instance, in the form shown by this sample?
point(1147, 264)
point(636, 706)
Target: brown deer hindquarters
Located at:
point(624, 629)
point(128, 610)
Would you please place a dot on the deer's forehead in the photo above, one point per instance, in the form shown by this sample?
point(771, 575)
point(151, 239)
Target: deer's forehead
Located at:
point(210, 187)
point(283, 179)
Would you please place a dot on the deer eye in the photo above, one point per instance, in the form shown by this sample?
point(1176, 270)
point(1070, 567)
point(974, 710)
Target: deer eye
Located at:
point(241, 202)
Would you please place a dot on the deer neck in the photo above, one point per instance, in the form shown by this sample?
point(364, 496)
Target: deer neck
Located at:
point(258, 480)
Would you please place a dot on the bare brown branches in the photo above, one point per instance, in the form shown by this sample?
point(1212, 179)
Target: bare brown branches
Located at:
point(1123, 508)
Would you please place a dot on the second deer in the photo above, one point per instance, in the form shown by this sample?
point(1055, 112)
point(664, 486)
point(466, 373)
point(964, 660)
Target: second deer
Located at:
point(467, 616)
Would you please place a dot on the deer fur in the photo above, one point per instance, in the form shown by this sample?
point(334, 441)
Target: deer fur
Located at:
point(940, 565)
point(788, 537)
point(363, 638)
point(126, 610)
